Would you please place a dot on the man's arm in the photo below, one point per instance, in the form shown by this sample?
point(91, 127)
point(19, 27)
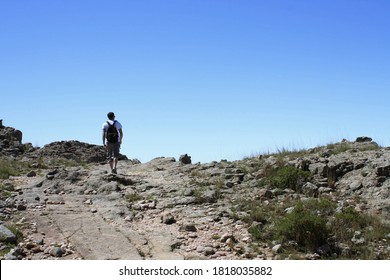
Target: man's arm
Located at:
point(121, 136)
point(104, 137)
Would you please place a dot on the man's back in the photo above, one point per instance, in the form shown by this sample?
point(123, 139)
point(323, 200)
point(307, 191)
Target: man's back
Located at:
point(112, 139)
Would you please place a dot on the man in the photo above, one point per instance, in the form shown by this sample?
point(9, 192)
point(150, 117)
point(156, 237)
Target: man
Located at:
point(112, 140)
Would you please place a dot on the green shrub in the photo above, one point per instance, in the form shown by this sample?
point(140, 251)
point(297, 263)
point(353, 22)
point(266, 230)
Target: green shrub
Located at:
point(256, 212)
point(306, 228)
point(346, 223)
point(6, 191)
point(289, 177)
point(291, 154)
point(322, 207)
point(349, 223)
point(262, 215)
point(313, 223)
point(204, 194)
point(8, 168)
point(133, 197)
point(350, 218)
point(63, 162)
point(17, 231)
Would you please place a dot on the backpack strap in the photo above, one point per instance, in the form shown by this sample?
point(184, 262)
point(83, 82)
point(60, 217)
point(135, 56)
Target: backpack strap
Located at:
point(111, 124)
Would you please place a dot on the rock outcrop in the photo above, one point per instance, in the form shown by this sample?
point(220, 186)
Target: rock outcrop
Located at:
point(72, 150)
point(11, 145)
point(11, 142)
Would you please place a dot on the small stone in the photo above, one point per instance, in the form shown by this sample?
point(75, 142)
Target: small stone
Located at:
point(247, 239)
point(10, 256)
point(192, 235)
point(36, 250)
point(188, 227)
point(39, 242)
point(57, 252)
point(10, 202)
point(88, 202)
point(358, 238)
point(32, 173)
point(128, 218)
point(208, 251)
point(152, 205)
point(277, 248)
point(168, 219)
point(21, 207)
point(230, 242)
point(265, 193)
point(227, 236)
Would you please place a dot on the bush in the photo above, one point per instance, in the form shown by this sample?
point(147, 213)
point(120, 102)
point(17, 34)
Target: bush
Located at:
point(306, 228)
point(345, 223)
point(6, 191)
point(259, 217)
point(8, 168)
point(322, 207)
point(348, 224)
point(207, 194)
point(133, 197)
point(289, 177)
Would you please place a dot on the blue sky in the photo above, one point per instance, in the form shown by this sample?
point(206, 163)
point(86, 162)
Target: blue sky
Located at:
point(217, 79)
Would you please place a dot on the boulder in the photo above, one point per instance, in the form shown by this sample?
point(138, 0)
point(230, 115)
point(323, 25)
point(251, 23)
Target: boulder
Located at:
point(185, 159)
point(167, 218)
point(6, 235)
point(363, 139)
point(11, 141)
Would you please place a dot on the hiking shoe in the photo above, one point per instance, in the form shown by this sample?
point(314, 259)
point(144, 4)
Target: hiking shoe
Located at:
point(113, 171)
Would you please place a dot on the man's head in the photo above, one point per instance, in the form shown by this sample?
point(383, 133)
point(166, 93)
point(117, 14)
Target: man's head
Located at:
point(111, 116)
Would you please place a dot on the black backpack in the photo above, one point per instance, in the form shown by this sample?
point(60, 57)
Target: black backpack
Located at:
point(112, 133)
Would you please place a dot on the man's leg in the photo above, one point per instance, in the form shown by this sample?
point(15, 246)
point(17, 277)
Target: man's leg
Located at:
point(116, 156)
point(115, 163)
point(110, 154)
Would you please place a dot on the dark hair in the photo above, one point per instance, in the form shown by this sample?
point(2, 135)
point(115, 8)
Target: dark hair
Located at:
point(111, 115)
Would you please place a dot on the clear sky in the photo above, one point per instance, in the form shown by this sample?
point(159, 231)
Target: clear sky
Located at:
point(217, 79)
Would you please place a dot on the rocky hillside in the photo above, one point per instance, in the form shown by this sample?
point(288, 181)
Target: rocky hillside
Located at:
point(60, 202)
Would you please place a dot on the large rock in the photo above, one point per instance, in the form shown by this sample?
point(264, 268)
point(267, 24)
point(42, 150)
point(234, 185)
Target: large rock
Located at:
point(11, 141)
point(6, 235)
point(185, 159)
point(74, 150)
point(363, 139)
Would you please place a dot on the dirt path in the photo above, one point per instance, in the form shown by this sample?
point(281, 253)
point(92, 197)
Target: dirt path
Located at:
point(89, 224)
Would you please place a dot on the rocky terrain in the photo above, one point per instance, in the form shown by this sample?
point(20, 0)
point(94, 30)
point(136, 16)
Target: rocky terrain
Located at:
point(60, 202)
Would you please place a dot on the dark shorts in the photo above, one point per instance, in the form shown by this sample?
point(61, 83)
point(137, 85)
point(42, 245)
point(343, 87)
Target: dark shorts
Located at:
point(113, 150)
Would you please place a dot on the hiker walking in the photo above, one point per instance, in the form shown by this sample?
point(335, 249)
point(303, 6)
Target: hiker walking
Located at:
point(112, 140)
